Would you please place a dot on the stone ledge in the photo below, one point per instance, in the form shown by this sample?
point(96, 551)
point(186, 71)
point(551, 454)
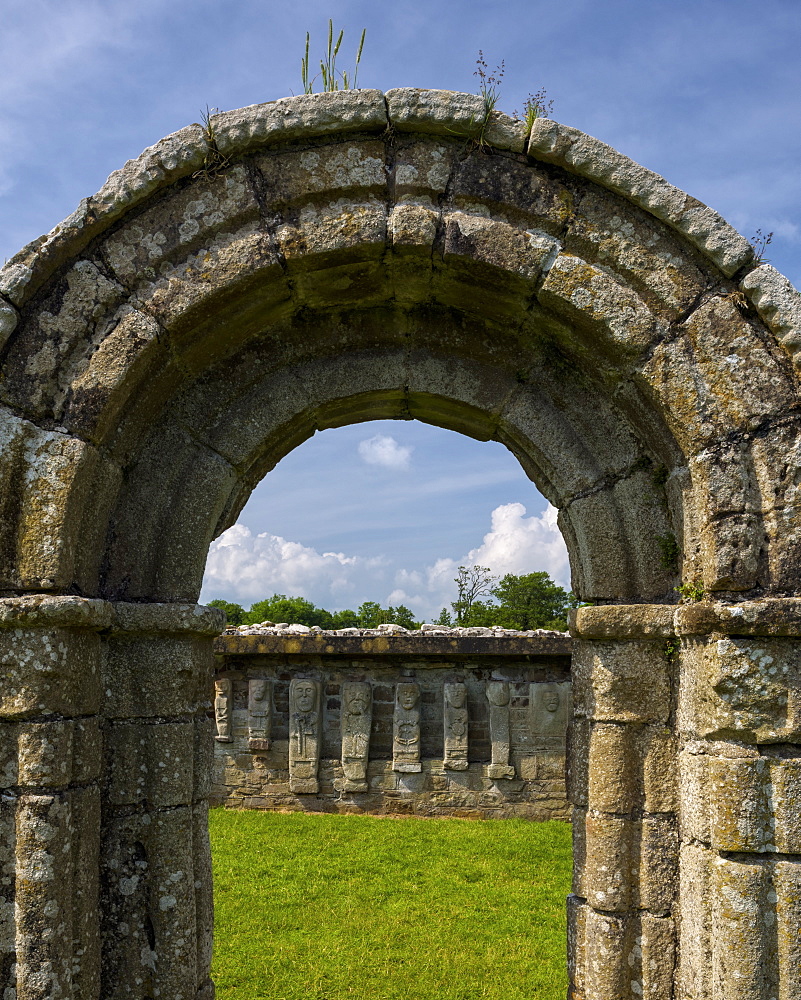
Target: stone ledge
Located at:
point(191, 619)
point(69, 611)
point(409, 644)
point(623, 621)
point(776, 616)
point(48, 611)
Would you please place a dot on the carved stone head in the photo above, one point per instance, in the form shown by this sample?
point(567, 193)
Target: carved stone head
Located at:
point(408, 696)
point(456, 695)
point(258, 690)
point(498, 693)
point(357, 699)
point(304, 695)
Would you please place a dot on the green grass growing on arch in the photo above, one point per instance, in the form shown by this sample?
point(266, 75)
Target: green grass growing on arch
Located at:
point(312, 907)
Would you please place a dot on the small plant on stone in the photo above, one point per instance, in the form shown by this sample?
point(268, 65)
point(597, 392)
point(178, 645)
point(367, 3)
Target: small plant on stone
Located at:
point(691, 592)
point(489, 88)
point(537, 106)
point(213, 161)
point(760, 242)
point(331, 78)
point(672, 648)
point(669, 552)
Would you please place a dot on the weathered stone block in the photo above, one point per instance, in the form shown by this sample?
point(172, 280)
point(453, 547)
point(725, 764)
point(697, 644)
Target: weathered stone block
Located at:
point(745, 688)
point(611, 858)
point(56, 835)
point(694, 976)
point(740, 818)
point(658, 947)
point(660, 769)
point(49, 671)
point(787, 885)
point(148, 881)
point(150, 763)
point(785, 777)
point(658, 864)
point(445, 112)
point(623, 621)
point(610, 956)
point(57, 754)
point(47, 478)
point(694, 793)
point(744, 947)
point(596, 303)
point(622, 239)
point(621, 681)
point(158, 677)
point(613, 768)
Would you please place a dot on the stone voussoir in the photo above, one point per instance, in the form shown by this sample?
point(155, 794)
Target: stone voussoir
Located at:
point(778, 302)
point(454, 115)
point(582, 154)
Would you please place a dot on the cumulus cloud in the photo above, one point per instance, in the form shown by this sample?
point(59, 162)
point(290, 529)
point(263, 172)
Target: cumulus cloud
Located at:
point(244, 567)
point(519, 544)
point(381, 449)
point(247, 567)
point(516, 543)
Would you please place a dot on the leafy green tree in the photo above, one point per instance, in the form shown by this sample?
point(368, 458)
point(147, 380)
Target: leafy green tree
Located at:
point(234, 613)
point(401, 615)
point(533, 601)
point(444, 618)
point(295, 610)
point(371, 615)
point(345, 619)
point(524, 602)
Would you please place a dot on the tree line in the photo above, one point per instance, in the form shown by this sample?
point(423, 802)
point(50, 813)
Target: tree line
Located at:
point(524, 602)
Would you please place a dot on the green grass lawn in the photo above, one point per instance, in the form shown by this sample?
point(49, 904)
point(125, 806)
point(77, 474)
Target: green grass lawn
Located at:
point(335, 907)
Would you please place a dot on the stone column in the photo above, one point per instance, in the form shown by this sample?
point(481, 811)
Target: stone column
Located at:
point(621, 782)
point(740, 765)
point(50, 799)
point(155, 863)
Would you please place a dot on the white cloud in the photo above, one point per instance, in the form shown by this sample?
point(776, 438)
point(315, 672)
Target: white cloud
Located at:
point(515, 544)
point(519, 544)
point(384, 450)
point(244, 567)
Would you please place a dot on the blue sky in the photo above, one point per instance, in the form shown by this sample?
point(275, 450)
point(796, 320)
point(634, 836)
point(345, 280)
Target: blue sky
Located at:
point(707, 93)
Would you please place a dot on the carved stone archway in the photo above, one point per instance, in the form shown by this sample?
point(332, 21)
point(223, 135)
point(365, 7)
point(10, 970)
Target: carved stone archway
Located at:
point(322, 260)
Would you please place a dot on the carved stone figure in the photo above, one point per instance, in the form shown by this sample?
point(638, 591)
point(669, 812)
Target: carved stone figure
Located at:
point(550, 711)
point(455, 723)
point(498, 698)
point(259, 714)
point(304, 736)
point(406, 729)
point(356, 722)
point(223, 697)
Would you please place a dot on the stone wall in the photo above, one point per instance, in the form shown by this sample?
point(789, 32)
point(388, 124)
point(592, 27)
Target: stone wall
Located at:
point(448, 724)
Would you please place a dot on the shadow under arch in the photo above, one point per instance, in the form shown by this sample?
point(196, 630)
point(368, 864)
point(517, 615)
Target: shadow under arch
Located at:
point(185, 328)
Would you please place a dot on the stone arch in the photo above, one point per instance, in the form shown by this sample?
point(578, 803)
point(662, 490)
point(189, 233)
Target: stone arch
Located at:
point(323, 260)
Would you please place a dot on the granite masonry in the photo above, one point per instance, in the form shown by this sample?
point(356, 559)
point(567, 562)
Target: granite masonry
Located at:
point(439, 722)
point(359, 255)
